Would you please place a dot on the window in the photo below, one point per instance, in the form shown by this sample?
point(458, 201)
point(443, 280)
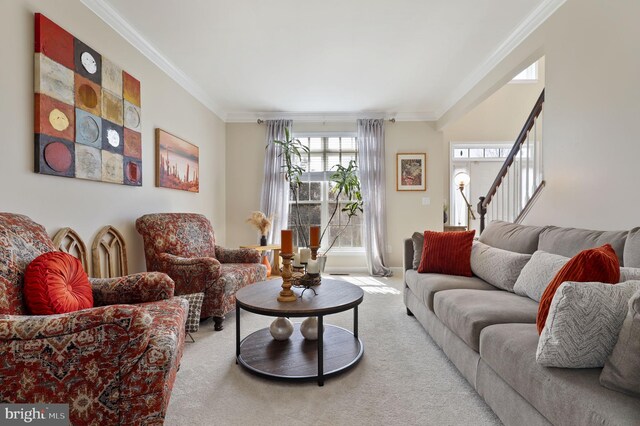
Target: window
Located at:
point(316, 202)
point(527, 75)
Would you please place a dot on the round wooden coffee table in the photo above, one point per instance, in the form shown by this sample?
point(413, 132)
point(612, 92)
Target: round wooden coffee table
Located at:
point(336, 350)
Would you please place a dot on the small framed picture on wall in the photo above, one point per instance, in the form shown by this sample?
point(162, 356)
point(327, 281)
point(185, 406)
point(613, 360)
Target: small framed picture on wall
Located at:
point(411, 172)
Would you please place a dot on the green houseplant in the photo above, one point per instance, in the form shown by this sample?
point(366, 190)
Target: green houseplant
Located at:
point(291, 153)
point(346, 188)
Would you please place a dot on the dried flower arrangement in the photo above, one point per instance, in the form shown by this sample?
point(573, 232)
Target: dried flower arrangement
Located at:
point(261, 222)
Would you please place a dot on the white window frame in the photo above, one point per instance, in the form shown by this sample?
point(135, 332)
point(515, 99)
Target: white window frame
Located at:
point(324, 202)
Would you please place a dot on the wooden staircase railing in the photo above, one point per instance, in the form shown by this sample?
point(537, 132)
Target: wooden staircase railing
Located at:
point(520, 178)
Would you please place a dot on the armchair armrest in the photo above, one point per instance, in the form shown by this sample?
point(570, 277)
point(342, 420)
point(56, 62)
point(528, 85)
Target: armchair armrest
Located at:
point(190, 274)
point(119, 333)
point(243, 255)
point(134, 288)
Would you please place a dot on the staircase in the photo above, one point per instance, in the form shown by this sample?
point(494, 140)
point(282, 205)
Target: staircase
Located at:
point(520, 179)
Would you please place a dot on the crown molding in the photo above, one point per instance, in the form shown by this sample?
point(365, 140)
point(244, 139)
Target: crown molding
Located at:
point(540, 14)
point(112, 18)
point(319, 117)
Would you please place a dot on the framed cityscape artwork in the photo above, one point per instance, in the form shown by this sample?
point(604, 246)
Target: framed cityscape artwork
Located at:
point(178, 165)
point(87, 111)
point(411, 172)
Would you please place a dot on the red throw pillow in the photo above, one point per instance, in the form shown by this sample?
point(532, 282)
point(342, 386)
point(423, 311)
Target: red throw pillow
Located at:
point(447, 253)
point(594, 265)
point(55, 283)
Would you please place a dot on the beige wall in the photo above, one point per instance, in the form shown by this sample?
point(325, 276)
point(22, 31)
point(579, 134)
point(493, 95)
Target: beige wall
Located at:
point(591, 109)
point(405, 212)
point(591, 147)
point(86, 206)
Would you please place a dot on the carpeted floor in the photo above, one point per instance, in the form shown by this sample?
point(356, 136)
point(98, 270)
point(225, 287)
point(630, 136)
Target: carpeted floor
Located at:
point(402, 379)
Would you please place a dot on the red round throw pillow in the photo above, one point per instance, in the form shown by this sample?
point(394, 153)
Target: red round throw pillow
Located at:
point(599, 264)
point(55, 283)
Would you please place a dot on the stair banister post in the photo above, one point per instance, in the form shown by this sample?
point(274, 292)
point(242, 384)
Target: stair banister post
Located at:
point(482, 211)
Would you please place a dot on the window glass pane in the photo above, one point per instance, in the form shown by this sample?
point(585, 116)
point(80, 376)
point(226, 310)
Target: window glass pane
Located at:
point(348, 144)
point(315, 144)
point(315, 191)
point(332, 160)
point(316, 163)
point(346, 158)
point(476, 153)
point(334, 144)
point(303, 192)
point(504, 152)
point(492, 153)
point(461, 153)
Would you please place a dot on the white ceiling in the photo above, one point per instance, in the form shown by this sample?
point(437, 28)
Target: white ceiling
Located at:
point(410, 59)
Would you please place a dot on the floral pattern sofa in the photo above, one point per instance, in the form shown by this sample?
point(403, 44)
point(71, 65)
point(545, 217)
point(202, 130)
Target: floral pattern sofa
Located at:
point(183, 246)
point(113, 364)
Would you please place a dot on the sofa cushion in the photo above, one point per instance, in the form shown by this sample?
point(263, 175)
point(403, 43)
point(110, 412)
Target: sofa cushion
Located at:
point(593, 265)
point(498, 267)
point(564, 396)
point(583, 324)
point(511, 236)
point(447, 253)
point(631, 253)
point(570, 241)
point(538, 273)
point(467, 312)
point(418, 242)
point(424, 286)
point(621, 371)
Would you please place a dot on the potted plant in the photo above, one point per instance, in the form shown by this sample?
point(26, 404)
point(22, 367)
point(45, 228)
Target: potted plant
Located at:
point(347, 186)
point(291, 153)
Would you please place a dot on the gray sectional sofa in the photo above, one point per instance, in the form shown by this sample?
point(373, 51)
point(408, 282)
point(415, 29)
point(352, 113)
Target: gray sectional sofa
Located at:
point(490, 334)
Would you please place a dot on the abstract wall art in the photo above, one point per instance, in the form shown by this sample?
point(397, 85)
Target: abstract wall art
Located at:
point(87, 111)
point(177, 163)
point(411, 172)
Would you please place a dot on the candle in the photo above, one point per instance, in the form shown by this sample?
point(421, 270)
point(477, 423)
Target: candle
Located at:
point(296, 261)
point(305, 255)
point(286, 238)
point(314, 235)
point(313, 267)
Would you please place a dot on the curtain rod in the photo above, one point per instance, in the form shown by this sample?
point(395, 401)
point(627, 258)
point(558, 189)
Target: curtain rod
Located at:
point(391, 120)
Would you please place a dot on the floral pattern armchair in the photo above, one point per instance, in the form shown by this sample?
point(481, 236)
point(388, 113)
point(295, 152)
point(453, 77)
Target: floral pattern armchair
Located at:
point(183, 246)
point(113, 364)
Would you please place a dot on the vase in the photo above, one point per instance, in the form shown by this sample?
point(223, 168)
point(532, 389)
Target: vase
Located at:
point(309, 328)
point(281, 328)
point(446, 217)
point(263, 240)
point(322, 262)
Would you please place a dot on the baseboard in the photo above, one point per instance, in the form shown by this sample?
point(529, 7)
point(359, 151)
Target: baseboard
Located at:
point(397, 271)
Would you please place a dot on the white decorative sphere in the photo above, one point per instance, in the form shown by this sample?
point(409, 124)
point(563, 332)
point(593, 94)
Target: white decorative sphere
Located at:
point(281, 328)
point(309, 328)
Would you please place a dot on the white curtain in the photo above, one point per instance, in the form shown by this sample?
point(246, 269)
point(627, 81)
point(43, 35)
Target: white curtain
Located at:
point(275, 190)
point(372, 178)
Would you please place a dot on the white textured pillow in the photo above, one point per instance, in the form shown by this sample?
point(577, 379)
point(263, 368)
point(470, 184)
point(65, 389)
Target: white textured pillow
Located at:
point(498, 267)
point(538, 273)
point(583, 324)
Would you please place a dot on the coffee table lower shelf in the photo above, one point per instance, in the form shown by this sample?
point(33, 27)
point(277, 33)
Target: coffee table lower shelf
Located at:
point(296, 359)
